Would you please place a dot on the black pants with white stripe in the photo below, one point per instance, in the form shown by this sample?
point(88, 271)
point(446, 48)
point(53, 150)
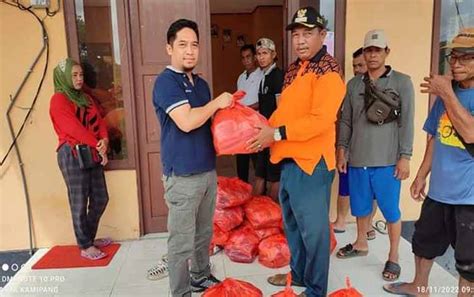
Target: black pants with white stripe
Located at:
point(88, 197)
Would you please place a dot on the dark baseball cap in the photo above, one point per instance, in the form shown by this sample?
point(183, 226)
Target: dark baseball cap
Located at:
point(308, 17)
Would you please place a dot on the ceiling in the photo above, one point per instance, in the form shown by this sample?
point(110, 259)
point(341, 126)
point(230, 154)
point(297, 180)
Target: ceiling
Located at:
point(94, 3)
point(217, 6)
point(240, 6)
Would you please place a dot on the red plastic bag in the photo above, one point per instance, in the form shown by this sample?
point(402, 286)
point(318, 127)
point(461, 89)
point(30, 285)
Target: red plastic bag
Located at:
point(232, 127)
point(219, 237)
point(229, 218)
point(349, 291)
point(332, 237)
point(263, 212)
point(288, 291)
point(242, 245)
point(267, 232)
point(231, 191)
point(273, 252)
point(263, 233)
point(233, 288)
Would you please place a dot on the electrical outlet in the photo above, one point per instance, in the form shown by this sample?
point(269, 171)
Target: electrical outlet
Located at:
point(39, 4)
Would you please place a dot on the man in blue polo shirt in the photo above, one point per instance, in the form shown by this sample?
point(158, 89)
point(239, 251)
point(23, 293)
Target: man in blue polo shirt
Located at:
point(183, 104)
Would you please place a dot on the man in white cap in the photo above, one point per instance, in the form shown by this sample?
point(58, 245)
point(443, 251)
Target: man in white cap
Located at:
point(268, 94)
point(376, 127)
point(359, 67)
point(447, 214)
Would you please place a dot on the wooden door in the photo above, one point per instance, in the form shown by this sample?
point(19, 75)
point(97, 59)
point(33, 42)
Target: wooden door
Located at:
point(149, 22)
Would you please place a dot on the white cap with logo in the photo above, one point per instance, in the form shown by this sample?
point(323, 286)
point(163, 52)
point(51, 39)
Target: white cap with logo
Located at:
point(265, 43)
point(375, 38)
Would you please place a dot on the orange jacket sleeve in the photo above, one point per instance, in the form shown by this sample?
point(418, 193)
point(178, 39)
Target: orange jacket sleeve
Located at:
point(328, 93)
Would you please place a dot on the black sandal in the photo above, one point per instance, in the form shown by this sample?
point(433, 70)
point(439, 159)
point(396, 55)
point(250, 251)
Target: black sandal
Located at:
point(350, 252)
point(393, 269)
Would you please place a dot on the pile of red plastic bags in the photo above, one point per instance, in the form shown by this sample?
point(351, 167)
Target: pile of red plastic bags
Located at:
point(247, 226)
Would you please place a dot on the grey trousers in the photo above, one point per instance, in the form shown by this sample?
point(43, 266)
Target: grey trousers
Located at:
point(191, 203)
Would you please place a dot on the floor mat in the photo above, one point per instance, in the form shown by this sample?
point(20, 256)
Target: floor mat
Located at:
point(69, 256)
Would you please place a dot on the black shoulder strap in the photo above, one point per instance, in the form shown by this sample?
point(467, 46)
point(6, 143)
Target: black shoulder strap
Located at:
point(469, 146)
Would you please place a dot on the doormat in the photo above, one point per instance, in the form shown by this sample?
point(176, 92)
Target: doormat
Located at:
point(69, 256)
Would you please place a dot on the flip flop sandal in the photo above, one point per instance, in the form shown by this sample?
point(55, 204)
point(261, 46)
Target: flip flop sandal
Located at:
point(381, 227)
point(350, 252)
point(93, 258)
point(395, 289)
point(371, 235)
point(392, 268)
point(102, 242)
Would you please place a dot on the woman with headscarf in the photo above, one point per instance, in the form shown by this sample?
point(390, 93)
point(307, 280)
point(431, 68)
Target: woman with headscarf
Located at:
point(78, 124)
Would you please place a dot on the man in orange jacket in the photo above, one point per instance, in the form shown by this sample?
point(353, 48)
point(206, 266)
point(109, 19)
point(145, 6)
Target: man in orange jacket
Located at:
point(302, 135)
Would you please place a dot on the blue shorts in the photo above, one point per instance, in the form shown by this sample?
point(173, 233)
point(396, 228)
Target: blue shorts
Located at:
point(343, 184)
point(367, 182)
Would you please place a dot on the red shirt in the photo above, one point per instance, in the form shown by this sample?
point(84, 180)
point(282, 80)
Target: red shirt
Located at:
point(75, 125)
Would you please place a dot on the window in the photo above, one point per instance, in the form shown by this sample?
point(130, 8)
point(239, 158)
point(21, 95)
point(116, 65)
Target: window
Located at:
point(94, 40)
point(327, 8)
point(335, 12)
point(450, 17)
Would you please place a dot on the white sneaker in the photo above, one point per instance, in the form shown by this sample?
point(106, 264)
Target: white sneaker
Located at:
point(164, 260)
point(217, 249)
point(158, 272)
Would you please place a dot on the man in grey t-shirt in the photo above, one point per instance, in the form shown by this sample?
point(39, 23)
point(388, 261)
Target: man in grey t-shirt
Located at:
point(379, 153)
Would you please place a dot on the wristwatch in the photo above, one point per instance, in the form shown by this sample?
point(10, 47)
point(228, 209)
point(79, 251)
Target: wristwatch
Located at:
point(277, 135)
